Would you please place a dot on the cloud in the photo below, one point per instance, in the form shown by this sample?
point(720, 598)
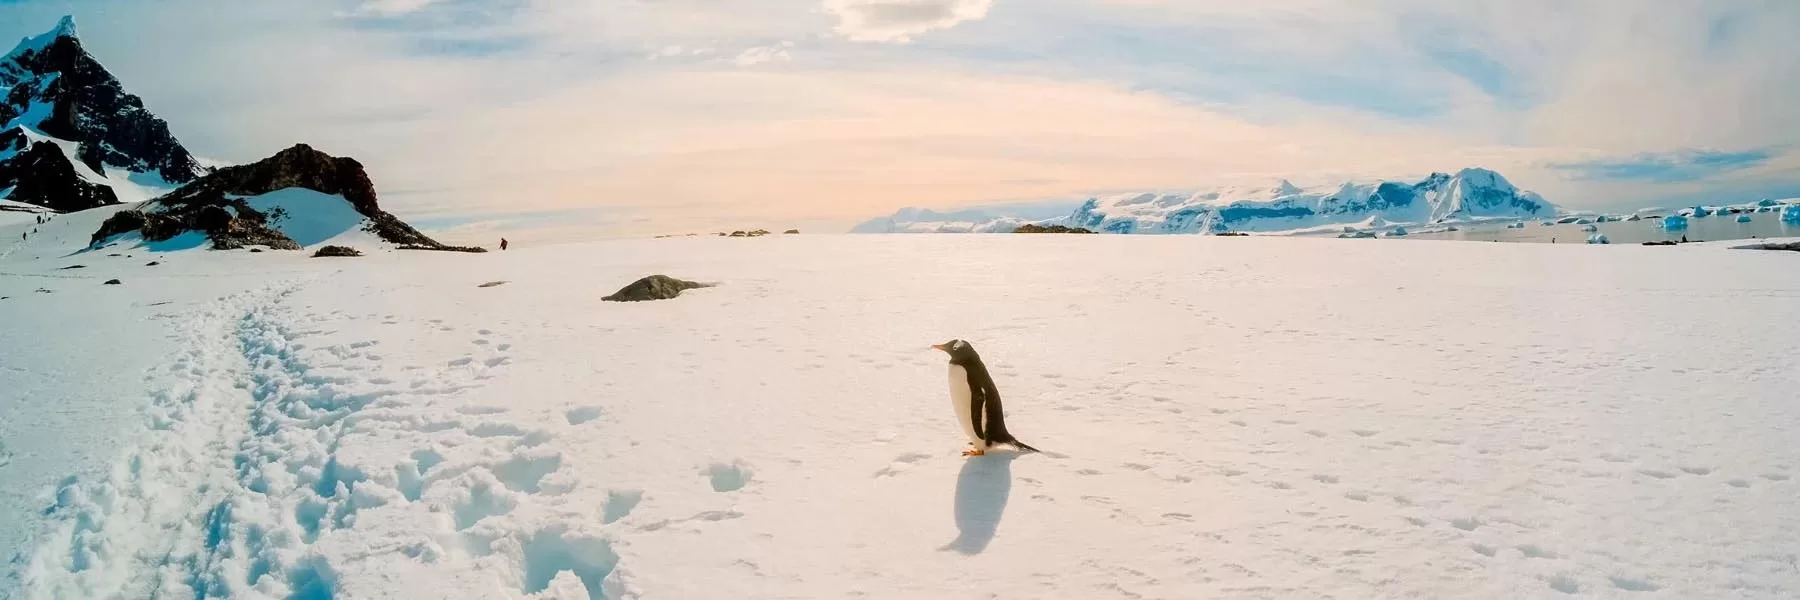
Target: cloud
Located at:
point(392, 7)
point(1681, 165)
point(900, 20)
point(764, 54)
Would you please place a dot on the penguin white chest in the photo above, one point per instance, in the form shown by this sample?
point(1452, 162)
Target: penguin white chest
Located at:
point(961, 397)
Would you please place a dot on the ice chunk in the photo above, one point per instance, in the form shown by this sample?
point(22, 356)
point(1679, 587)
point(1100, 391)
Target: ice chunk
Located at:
point(1598, 238)
point(1791, 214)
point(1397, 232)
point(1673, 222)
point(1589, 228)
point(1744, 218)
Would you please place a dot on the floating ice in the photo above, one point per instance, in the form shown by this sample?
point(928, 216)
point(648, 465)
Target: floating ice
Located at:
point(1598, 238)
point(1673, 222)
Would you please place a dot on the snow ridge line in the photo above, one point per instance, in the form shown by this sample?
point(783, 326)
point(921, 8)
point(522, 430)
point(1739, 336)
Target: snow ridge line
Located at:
point(111, 537)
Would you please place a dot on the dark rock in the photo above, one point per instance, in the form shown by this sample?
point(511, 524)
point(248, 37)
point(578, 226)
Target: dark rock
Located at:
point(491, 284)
point(654, 287)
point(739, 234)
point(256, 249)
point(152, 263)
point(790, 232)
point(73, 267)
point(1242, 234)
point(43, 175)
point(443, 248)
point(1034, 228)
point(1790, 246)
point(336, 251)
point(1662, 243)
point(112, 282)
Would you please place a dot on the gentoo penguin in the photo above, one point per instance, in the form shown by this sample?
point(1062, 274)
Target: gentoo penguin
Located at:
point(977, 400)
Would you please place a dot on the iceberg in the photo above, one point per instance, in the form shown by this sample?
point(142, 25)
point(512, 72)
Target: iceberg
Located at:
point(1790, 214)
point(1598, 238)
point(1589, 228)
point(1674, 222)
point(1397, 232)
point(1743, 218)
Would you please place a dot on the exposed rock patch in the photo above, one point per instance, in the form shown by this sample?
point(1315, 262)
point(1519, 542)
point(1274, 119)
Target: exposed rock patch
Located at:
point(328, 251)
point(654, 287)
point(1034, 228)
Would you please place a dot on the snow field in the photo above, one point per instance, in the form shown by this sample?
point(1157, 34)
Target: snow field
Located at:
point(1244, 417)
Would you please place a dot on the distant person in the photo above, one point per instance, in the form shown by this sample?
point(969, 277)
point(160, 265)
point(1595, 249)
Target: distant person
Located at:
point(502, 243)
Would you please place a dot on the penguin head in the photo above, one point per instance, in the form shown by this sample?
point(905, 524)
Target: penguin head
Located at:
point(957, 349)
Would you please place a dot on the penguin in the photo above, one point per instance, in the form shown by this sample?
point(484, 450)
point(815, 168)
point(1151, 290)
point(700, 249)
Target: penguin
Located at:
point(976, 400)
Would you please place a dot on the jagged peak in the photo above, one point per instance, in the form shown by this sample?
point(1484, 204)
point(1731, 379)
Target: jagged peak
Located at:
point(65, 28)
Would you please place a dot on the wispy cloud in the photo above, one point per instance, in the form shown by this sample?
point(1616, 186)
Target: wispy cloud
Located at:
point(1681, 165)
point(900, 20)
point(764, 54)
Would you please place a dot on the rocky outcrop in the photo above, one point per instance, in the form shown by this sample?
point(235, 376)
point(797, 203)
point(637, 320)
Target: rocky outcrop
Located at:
point(41, 174)
point(214, 204)
point(654, 287)
point(51, 87)
point(1035, 228)
point(330, 251)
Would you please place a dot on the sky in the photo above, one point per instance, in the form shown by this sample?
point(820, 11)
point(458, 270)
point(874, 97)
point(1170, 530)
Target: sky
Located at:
point(668, 116)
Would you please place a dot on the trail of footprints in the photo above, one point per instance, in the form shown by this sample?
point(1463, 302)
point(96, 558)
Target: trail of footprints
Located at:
point(315, 408)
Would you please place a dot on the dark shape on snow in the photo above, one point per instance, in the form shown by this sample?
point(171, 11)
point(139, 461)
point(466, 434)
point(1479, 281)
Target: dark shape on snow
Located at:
point(336, 251)
point(112, 282)
point(790, 232)
point(491, 284)
point(260, 249)
point(1663, 243)
point(654, 287)
point(73, 267)
point(1242, 234)
point(211, 204)
point(152, 263)
point(109, 128)
point(1034, 228)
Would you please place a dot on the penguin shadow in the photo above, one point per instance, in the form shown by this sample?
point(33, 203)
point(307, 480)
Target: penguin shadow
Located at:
point(981, 492)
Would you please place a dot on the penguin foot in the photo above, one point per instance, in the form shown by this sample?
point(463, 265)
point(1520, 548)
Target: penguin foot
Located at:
point(974, 452)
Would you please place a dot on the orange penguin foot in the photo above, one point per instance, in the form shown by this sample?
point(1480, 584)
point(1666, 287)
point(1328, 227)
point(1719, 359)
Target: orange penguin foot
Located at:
point(974, 452)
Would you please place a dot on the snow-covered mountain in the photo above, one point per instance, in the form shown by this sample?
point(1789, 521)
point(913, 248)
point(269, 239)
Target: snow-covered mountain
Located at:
point(72, 138)
point(1470, 194)
point(298, 198)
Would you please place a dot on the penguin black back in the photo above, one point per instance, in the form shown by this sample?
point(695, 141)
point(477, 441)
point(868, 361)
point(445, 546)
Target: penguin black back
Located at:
point(990, 417)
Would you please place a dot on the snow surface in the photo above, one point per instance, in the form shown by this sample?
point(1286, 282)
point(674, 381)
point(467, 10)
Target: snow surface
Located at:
point(1255, 417)
point(312, 218)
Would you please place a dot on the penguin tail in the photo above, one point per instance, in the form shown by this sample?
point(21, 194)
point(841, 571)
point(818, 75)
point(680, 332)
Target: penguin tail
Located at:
point(1023, 446)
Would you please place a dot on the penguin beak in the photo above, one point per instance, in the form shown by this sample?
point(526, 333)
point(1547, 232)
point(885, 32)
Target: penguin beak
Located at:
point(939, 347)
